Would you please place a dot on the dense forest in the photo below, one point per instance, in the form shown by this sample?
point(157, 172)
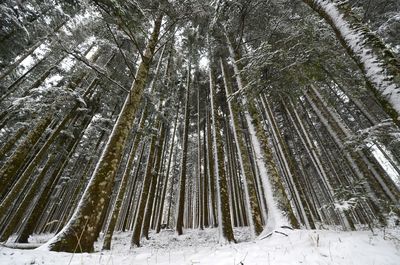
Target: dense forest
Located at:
point(147, 115)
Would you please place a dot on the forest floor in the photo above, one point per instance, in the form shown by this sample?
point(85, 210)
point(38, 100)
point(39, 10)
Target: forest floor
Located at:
point(202, 247)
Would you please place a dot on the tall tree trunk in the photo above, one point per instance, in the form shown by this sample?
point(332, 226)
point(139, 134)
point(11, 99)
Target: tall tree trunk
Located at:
point(154, 181)
point(211, 171)
point(140, 212)
point(83, 228)
point(165, 184)
point(182, 177)
point(9, 170)
point(254, 211)
point(379, 65)
point(200, 186)
point(124, 181)
point(224, 215)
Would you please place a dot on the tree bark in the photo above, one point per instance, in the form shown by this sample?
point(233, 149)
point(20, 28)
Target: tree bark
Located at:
point(224, 215)
point(254, 212)
point(83, 228)
point(123, 185)
point(138, 224)
point(182, 177)
point(378, 63)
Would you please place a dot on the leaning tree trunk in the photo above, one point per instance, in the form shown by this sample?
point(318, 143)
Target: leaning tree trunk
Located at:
point(12, 141)
point(338, 133)
point(83, 228)
point(379, 65)
point(26, 174)
point(138, 223)
point(287, 166)
point(31, 221)
point(10, 169)
point(124, 182)
point(24, 178)
point(154, 180)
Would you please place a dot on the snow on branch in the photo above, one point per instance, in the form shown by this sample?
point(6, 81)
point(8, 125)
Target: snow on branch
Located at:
point(360, 43)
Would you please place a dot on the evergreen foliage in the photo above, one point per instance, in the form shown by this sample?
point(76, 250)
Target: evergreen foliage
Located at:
point(146, 115)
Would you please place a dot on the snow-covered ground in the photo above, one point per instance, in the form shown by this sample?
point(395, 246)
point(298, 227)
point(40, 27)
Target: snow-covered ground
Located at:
point(202, 247)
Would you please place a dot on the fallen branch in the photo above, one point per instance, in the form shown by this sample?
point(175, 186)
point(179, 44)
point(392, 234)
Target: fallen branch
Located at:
point(21, 245)
point(278, 232)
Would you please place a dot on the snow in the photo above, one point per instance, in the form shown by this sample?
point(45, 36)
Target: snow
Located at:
point(92, 52)
point(345, 205)
point(201, 247)
point(204, 62)
point(275, 217)
point(386, 165)
point(215, 155)
point(296, 196)
point(373, 66)
point(38, 54)
point(67, 63)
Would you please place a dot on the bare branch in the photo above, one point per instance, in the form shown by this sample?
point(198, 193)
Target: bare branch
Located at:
point(96, 68)
point(122, 53)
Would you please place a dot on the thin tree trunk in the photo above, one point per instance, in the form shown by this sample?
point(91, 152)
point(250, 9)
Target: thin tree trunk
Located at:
point(9, 170)
point(137, 226)
point(154, 181)
point(182, 177)
point(161, 210)
point(206, 190)
point(224, 216)
point(128, 214)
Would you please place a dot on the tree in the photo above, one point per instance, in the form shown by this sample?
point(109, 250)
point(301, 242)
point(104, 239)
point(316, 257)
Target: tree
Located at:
point(84, 227)
point(254, 212)
point(377, 62)
point(182, 177)
point(279, 125)
point(224, 216)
